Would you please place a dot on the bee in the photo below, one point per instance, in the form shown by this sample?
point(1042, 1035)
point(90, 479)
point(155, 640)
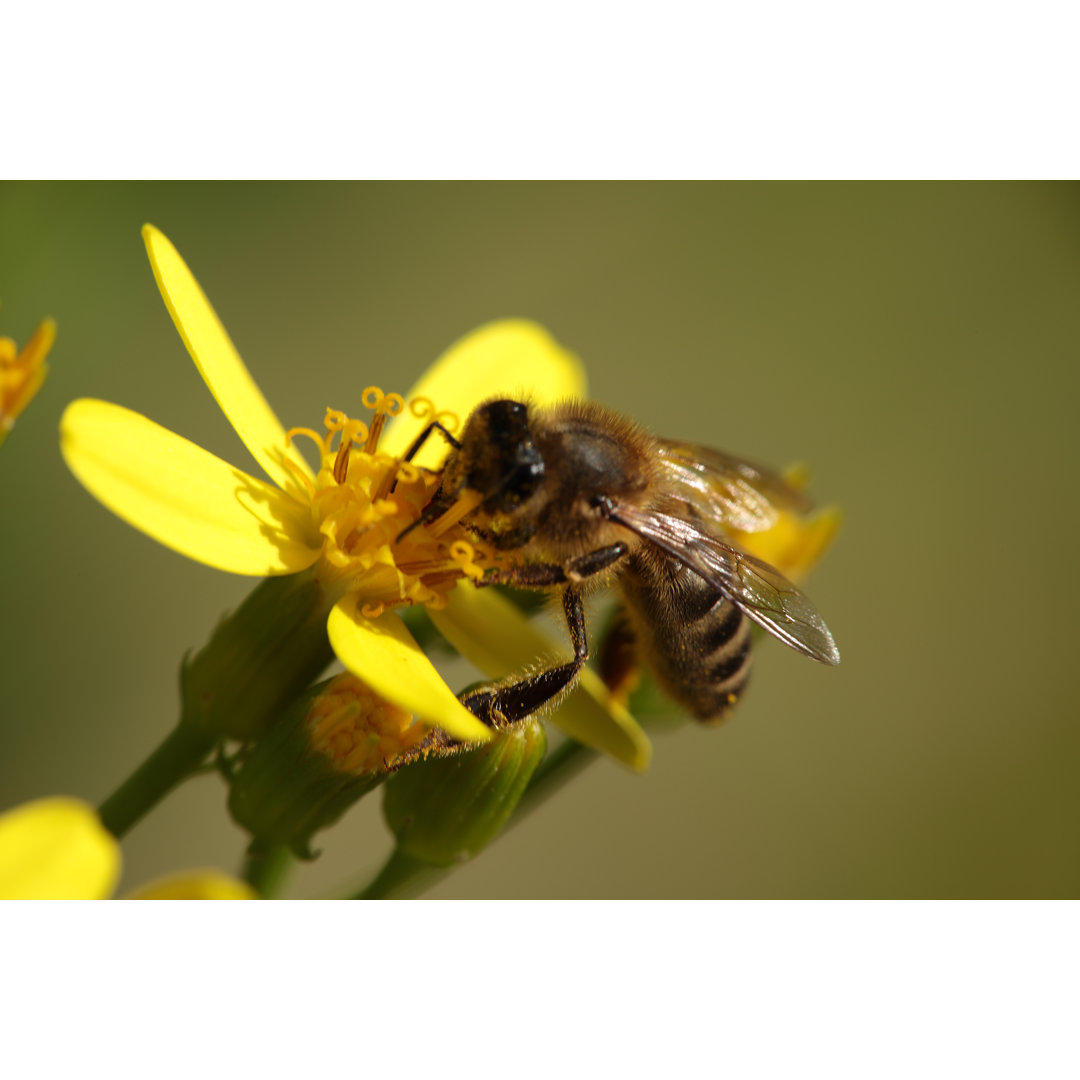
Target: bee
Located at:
point(585, 498)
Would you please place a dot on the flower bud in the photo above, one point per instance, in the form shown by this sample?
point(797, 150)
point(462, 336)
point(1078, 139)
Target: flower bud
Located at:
point(259, 659)
point(447, 809)
point(332, 747)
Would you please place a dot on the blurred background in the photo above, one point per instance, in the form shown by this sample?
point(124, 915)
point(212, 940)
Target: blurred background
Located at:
point(917, 345)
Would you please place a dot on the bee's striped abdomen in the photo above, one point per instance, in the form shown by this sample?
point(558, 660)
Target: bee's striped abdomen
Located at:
point(696, 642)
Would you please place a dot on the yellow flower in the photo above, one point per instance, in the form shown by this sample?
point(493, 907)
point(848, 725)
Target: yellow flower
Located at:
point(343, 521)
point(22, 373)
point(206, 884)
point(794, 543)
point(57, 849)
point(326, 751)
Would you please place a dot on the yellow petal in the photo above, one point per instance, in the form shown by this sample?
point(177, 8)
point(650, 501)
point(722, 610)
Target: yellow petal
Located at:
point(41, 341)
point(488, 630)
point(183, 496)
point(794, 544)
point(383, 654)
point(56, 849)
point(219, 363)
point(194, 885)
point(512, 357)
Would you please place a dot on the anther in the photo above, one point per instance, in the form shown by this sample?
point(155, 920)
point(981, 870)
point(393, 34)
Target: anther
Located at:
point(341, 462)
point(466, 501)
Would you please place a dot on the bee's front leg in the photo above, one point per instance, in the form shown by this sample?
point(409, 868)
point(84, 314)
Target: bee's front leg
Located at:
point(498, 706)
point(549, 575)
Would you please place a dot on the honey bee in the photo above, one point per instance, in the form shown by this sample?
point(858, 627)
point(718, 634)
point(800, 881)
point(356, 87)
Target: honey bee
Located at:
point(585, 498)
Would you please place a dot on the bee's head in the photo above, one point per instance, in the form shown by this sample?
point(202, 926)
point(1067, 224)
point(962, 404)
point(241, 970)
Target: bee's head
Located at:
point(498, 457)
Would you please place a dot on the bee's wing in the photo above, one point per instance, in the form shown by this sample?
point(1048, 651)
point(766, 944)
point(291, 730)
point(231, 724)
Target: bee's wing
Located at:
point(730, 491)
point(754, 587)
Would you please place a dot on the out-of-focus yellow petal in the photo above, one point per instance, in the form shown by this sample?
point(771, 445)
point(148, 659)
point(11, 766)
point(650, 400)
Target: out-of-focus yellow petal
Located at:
point(383, 654)
point(515, 358)
point(21, 375)
point(37, 348)
point(794, 545)
point(219, 363)
point(56, 849)
point(183, 496)
point(194, 885)
point(488, 630)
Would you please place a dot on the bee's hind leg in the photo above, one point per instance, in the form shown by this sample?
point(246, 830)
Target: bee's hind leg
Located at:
point(498, 706)
point(618, 658)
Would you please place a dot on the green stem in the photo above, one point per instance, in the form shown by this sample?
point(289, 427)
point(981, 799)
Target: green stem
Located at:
point(402, 875)
point(266, 869)
point(398, 871)
point(182, 753)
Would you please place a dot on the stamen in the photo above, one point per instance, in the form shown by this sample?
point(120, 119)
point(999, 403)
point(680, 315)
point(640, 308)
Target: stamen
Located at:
point(298, 474)
point(326, 727)
point(464, 554)
point(357, 729)
point(402, 472)
point(369, 510)
point(424, 409)
point(378, 422)
point(466, 501)
point(372, 397)
point(293, 433)
point(383, 405)
point(407, 472)
point(421, 407)
point(341, 462)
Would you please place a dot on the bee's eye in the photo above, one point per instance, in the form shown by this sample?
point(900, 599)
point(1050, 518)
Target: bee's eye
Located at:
point(504, 462)
point(527, 476)
point(518, 482)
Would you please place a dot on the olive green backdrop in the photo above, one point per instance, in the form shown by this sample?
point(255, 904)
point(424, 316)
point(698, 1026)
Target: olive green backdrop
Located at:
point(916, 344)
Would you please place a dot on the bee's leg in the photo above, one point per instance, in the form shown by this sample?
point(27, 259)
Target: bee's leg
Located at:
point(498, 706)
point(585, 566)
point(422, 438)
point(546, 575)
point(441, 503)
point(618, 659)
point(432, 512)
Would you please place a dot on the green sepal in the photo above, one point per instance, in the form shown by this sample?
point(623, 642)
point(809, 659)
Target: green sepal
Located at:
point(445, 810)
point(260, 658)
point(283, 791)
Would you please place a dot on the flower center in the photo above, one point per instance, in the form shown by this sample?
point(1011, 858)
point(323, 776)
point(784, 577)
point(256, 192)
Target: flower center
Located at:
point(358, 731)
point(368, 505)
